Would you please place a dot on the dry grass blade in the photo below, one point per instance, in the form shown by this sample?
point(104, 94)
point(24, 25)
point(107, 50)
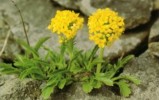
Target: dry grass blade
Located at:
point(22, 21)
point(5, 43)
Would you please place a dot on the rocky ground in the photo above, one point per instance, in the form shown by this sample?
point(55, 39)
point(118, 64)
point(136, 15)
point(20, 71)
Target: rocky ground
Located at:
point(141, 39)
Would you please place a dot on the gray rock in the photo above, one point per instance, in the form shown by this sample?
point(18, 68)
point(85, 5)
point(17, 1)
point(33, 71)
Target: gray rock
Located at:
point(72, 4)
point(154, 49)
point(36, 15)
point(37, 18)
point(8, 46)
point(75, 92)
point(146, 68)
point(125, 44)
point(156, 4)
point(86, 7)
point(135, 12)
point(16, 89)
point(154, 32)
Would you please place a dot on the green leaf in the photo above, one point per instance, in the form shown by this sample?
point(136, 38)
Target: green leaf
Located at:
point(104, 79)
point(46, 92)
point(123, 61)
point(128, 77)
point(30, 71)
point(84, 78)
point(22, 62)
point(62, 48)
point(124, 88)
point(97, 84)
point(133, 79)
point(4, 65)
point(93, 52)
point(51, 54)
point(8, 69)
point(76, 55)
point(87, 87)
point(54, 79)
point(40, 42)
point(28, 48)
point(107, 81)
point(62, 83)
point(95, 62)
point(75, 69)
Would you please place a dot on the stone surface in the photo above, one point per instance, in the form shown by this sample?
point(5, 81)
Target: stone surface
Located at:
point(135, 12)
point(37, 15)
point(86, 7)
point(154, 49)
point(72, 4)
point(36, 18)
point(154, 32)
point(146, 68)
point(127, 43)
point(37, 28)
point(75, 92)
point(12, 88)
point(156, 4)
point(8, 46)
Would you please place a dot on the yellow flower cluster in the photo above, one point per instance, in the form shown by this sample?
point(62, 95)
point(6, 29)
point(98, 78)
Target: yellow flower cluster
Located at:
point(105, 26)
point(66, 24)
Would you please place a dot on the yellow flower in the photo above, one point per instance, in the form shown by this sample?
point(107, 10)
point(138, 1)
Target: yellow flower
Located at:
point(66, 24)
point(105, 26)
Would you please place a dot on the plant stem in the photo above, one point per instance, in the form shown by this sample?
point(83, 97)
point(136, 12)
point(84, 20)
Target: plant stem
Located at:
point(70, 52)
point(25, 32)
point(99, 66)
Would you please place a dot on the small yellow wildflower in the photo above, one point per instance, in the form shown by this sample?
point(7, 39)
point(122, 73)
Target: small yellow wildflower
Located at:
point(66, 24)
point(105, 26)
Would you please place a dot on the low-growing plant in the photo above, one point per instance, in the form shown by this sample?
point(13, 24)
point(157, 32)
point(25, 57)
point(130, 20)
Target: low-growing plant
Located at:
point(58, 69)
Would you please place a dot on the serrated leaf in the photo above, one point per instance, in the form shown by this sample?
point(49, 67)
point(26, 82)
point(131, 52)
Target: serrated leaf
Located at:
point(46, 92)
point(87, 87)
point(128, 77)
point(132, 79)
point(62, 83)
point(40, 42)
point(97, 84)
point(105, 80)
point(124, 60)
point(124, 88)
